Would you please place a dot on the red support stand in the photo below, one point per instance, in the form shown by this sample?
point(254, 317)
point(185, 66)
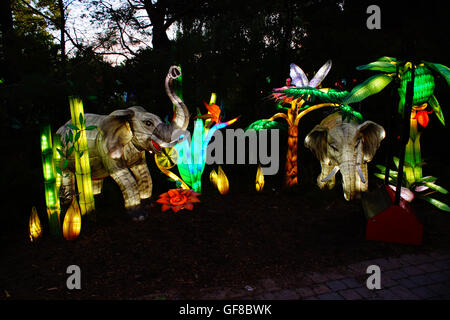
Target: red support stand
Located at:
point(396, 223)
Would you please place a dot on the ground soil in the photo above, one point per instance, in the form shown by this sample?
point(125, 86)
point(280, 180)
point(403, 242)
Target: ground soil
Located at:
point(230, 240)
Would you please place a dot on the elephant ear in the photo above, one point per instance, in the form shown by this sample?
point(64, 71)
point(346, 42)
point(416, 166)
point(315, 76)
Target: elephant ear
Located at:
point(117, 131)
point(372, 134)
point(316, 141)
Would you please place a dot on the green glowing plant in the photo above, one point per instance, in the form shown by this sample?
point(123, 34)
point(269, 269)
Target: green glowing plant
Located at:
point(299, 101)
point(192, 154)
point(51, 194)
point(424, 84)
point(420, 188)
point(75, 141)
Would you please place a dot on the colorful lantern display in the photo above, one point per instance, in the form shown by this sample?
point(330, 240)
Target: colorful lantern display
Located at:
point(259, 182)
point(117, 145)
point(421, 188)
point(51, 194)
point(424, 85)
point(220, 180)
point(35, 230)
point(299, 98)
point(192, 156)
point(166, 160)
point(82, 165)
point(72, 221)
point(178, 199)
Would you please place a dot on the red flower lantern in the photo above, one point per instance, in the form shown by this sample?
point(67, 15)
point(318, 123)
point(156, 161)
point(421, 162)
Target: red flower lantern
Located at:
point(422, 117)
point(178, 199)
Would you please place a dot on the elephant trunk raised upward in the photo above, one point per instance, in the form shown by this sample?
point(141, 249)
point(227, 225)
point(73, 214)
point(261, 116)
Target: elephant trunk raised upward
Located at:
point(181, 113)
point(117, 148)
point(346, 147)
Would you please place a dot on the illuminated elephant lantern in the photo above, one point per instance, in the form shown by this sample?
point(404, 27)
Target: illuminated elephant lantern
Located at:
point(345, 146)
point(117, 148)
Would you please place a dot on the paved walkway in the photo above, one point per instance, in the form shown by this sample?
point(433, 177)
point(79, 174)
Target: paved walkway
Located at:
point(408, 277)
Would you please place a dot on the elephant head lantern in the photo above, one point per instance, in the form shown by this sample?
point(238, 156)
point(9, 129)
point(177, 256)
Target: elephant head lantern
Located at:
point(345, 146)
point(117, 148)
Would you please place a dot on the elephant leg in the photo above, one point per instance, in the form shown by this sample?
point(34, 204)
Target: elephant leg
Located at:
point(130, 192)
point(326, 169)
point(67, 189)
point(144, 180)
point(97, 186)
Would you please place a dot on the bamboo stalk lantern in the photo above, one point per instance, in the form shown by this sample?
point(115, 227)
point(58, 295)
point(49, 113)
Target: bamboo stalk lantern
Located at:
point(82, 166)
point(35, 230)
point(57, 158)
point(72, 221)
point(51, 194)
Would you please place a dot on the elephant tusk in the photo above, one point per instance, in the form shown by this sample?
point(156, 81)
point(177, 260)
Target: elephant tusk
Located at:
point(358, 168)
point(331, 175)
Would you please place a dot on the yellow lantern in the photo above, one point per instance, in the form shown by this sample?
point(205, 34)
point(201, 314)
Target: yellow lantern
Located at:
point(259, 183)
point(72, 221)
point(35, 230)
point(220, 180)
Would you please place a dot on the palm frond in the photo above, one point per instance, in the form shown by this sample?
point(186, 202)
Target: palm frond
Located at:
point(388, 59)
point(437, 109)
point(265, 124)
point(379, 66)
point(437, 188)
point(438, 204)
point(369, 87)
point(441, 69)
point(311, 94)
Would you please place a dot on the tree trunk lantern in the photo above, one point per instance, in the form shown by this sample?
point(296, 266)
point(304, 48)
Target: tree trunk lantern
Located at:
point(35, 230)
point(51, 194)
point(72, 221)
point(220, 180)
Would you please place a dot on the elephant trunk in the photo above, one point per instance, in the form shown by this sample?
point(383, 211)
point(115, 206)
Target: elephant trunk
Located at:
point(354, 179)
point(167, 135)
point(181, 113)
point(348, 172)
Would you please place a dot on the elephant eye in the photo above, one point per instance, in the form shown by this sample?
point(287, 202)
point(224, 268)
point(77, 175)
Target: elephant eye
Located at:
point(148, 123)
point(334, 147)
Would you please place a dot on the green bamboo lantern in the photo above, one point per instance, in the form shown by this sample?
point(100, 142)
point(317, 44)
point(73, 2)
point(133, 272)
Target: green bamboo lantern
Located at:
point(57, 158)
point(82, 166)
point(48, 168)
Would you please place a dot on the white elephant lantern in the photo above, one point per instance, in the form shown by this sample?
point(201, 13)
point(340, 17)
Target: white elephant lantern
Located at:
point(345, 146)
point(118, 144)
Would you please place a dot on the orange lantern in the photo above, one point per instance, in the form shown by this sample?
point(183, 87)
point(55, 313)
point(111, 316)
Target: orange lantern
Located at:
point(72, 221)
point(35, 230)
point(220, 180)
point(259, 183)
